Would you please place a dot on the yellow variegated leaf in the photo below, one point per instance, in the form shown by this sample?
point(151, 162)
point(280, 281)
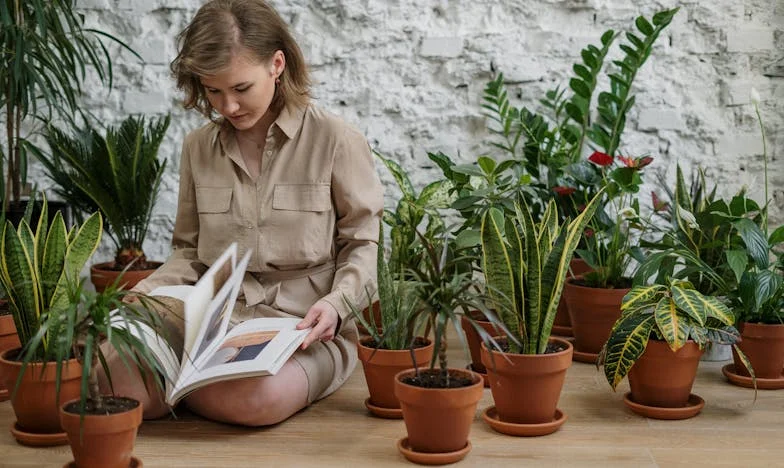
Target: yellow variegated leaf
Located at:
point(641, 296)
point(625, 345)
point(673, 328)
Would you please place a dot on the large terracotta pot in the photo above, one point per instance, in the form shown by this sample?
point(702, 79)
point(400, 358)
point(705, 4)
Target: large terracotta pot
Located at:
point(473, 339)
point(438, 420)
point(102, 275)
point(764, 346)
point(381, 366)
point(101, 441)
point(526, 387)
point(593, 312)
point(8, 340)
point(562, 325)
point(36, 403)
point(663, 378)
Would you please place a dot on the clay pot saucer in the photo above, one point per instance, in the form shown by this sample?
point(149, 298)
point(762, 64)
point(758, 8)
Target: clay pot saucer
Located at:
point(561, 330)
point(481, 374)
point(746, 381)
point(381, 412)
point(424, 458)
point(490, 415)
point(34, 439)
point(693, 408)
point(4, 394)
point(135, 463)
point(582, 356)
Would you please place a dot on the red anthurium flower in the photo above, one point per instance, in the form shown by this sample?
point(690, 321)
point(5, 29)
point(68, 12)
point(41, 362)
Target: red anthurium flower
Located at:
point(564, 191)
point(644, 161)
point(627, 161)
point(581, 208)
point(658, 204)
point(588, 232)
point(600, 159)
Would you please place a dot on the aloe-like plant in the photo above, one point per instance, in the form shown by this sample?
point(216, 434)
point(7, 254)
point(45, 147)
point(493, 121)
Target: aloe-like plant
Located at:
point(118, 175)
point(525, 266)
point(36, 267)
point(674, 313)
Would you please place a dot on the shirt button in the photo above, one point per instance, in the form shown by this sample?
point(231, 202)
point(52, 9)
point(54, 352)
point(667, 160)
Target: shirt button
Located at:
point(269, 153)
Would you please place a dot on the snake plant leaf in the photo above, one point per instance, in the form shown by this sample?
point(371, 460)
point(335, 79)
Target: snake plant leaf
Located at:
point(18, 278)
point(671, 324)
point(80, 249)
point(28, 241)
point(533, 280)
point(53, 257)
point(625, 347)
point(640, 296)
point(41, 231)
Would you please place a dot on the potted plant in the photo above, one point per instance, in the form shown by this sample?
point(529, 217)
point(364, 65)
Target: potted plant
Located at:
point(101, 429)
point(525, 265)
point(393, 344)
point(658, 342)
point(118, 175)
point(439, 403)
point(34, 270)
point(45, 50)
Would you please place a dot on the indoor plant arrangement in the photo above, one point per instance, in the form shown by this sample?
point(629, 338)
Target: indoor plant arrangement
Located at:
point(658, 342)
point(525, 265)
point(118, 175)
point(34, 271)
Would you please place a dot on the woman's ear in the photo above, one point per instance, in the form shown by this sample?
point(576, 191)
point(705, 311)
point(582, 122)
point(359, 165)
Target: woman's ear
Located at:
point(278, 63)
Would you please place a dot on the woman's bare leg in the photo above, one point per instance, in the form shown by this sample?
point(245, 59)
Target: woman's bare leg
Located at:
point(254, 401)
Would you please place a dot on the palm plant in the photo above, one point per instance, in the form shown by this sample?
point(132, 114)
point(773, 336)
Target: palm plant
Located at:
point(36, 268)
point(525, 266)
point(119, 175)
point(44, 53)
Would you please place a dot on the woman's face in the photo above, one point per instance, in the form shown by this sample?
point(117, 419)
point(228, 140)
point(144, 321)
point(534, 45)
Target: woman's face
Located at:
point(243, 91)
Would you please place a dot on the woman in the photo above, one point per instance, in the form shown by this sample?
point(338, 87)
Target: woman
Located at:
point(283, 178)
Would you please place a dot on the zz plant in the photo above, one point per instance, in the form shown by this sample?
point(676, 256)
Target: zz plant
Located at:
point(674, 313)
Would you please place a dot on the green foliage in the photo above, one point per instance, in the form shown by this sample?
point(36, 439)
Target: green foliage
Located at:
point(118, 174)
point(674, 313)
point(36, 268)
point(525, 266)
point(44, 53)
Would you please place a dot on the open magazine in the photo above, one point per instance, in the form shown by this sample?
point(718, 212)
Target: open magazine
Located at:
point(214, 350)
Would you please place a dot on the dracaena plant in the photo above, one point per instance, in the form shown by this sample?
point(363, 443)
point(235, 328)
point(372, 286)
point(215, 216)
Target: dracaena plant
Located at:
point(675, 313)
point(118, 174)
point(525, 265)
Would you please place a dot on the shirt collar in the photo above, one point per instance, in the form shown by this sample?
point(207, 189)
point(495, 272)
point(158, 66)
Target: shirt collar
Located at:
point(289, 121)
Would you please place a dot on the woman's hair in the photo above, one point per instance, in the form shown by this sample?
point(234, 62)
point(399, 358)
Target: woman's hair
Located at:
point(220, 29)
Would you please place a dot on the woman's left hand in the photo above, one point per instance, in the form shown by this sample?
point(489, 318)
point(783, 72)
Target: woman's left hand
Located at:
point(324, 320)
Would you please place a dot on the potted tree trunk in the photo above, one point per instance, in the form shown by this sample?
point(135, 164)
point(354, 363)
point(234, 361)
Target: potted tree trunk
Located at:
point(35, 287)
point(525, 265)
point(658, 342)
point(118, 174)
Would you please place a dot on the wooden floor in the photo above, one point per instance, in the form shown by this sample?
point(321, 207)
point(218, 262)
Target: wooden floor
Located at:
point(600, 431)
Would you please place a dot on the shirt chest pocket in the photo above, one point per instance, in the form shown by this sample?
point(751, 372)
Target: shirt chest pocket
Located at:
point(301, 225)
point(302, 197)
point(213, 200)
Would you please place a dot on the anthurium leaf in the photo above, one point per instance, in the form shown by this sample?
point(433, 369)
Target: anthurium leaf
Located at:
point(627, 342)
point(777, 237)
point(767, 284)
point(737, 260)
point(671, 324)
point(487, 164)
point(755, 241)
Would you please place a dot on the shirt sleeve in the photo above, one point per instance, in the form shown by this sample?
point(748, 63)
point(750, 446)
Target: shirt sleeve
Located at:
point(183, 266)
point(358, 198)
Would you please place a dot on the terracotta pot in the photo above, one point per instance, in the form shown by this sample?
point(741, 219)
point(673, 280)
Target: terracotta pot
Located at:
point(382, 365)
point(35, 402)
point(593, 312)
point(8, 340)
point(375, 319)
point(102, 441)
point(102, 275)
point(663, 378)
point(764, 346)
point(526, 387)
point(563, 324)
point(438, 420)
point(473, 339)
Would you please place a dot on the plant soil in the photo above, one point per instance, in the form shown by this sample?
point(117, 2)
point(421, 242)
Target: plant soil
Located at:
point(112, 405)
point(625, 283)
point(551, 347)
point(418, 343)
point(432, 378)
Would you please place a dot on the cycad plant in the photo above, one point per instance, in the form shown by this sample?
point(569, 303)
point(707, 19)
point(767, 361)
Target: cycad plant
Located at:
point(44, 53)
point(525, 266)
point(118, 174)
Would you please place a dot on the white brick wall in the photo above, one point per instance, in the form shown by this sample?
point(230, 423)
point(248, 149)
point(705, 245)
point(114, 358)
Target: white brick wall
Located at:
point(410, 74)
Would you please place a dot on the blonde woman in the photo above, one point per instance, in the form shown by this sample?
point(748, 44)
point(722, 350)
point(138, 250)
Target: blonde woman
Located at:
point(284, 178)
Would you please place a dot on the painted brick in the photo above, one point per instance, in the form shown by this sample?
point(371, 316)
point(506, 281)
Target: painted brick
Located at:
point(446, 47)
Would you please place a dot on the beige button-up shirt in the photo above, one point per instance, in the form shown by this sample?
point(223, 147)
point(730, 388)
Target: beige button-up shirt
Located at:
point(313, 212)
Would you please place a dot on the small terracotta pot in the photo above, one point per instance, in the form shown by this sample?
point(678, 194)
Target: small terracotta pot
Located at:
point(663, 378)
point(102, 441)
point(763, 344)
point(473, 339)
point(35, 402)
point(102, 275)
point(540, 377)
point(593, 312)
point(562, 323)
point(382, 365)
point(438, 420)
point(374, 319)
point(8, 340)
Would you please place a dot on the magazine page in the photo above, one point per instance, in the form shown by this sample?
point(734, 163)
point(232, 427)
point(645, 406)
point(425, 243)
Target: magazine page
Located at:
point(256, 347)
